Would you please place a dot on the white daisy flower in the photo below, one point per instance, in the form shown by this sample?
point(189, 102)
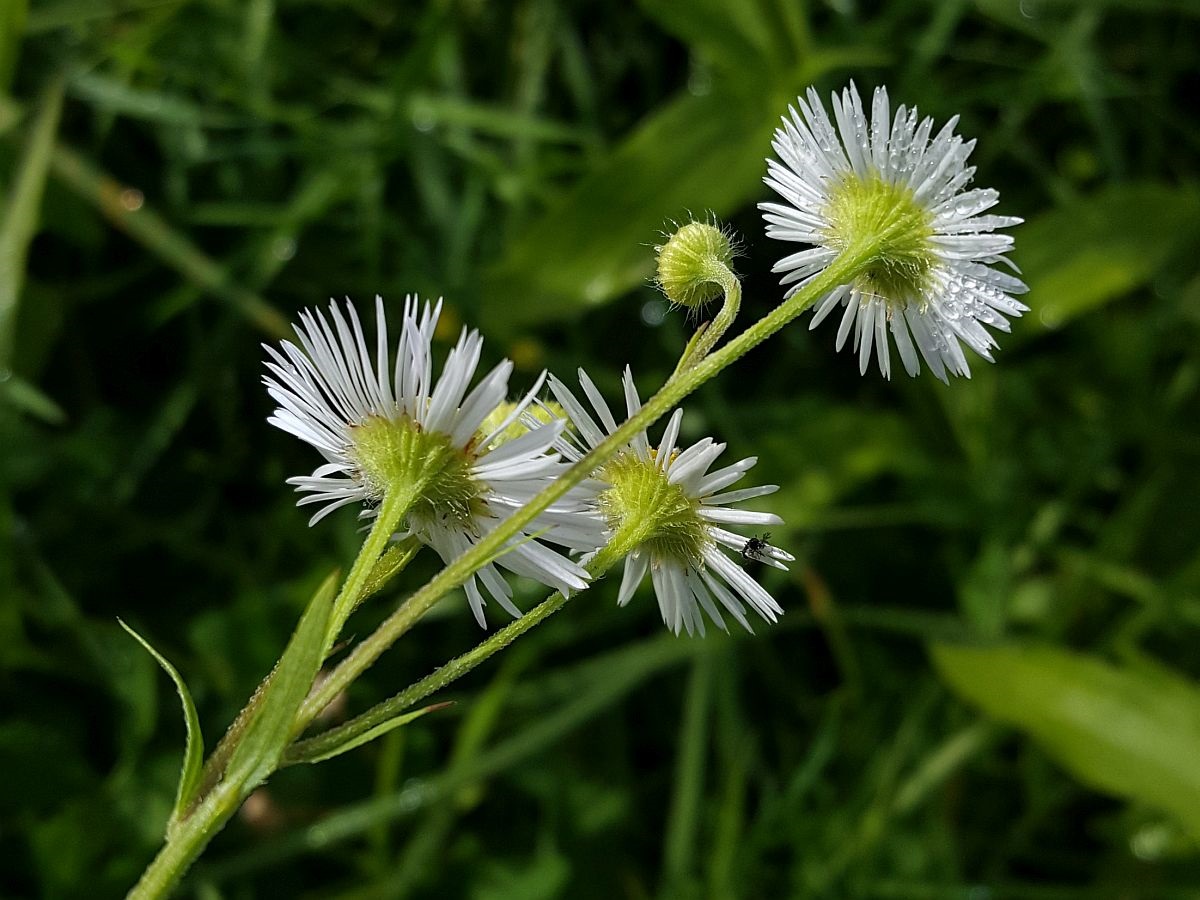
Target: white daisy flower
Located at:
point(386, 429)
point(666, 511)
point(933, 285)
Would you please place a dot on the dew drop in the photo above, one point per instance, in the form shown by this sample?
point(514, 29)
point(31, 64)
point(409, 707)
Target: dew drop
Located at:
point(654, 312)
point(132, 199)
point(423, 118)
point(284, 248)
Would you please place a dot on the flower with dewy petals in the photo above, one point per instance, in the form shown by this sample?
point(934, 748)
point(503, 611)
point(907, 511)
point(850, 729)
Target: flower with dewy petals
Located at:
point(932, 284)
point(666, 511)
point(383, 429)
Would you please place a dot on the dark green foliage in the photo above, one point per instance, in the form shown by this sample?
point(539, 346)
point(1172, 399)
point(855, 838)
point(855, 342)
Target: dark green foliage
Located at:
point(217, 165)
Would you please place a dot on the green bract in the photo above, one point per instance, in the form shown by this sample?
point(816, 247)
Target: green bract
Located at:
point(646, 512)
point(860, 209)
point(397, 455)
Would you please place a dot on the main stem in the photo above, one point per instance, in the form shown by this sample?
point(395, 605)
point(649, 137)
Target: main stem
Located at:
point(187, 843)
point(850, 263)
point(201, 824)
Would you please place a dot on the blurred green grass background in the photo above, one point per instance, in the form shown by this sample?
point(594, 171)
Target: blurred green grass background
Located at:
point(985, 685)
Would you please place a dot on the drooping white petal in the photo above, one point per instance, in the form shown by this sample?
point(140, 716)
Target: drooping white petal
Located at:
point(738, 516)
point(635, 571)
point(667, 445)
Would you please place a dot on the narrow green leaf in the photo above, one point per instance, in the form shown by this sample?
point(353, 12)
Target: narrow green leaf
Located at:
point(12, 30)
point(365, 737)
point(125, 208)
point(115, 96)
point(266, 735)
point(488, 119)
point(698, 152)
point(1081, 256)
point(683, 820)
point(193, 754)
point(22, 214)
point(741, 38)
point(26, 398)
point(1133, 732)
point(48, 16)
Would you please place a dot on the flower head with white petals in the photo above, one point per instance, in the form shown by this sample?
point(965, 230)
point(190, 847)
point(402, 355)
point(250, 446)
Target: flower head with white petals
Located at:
point(665, 510)
point(398, 431)
point(883, 177)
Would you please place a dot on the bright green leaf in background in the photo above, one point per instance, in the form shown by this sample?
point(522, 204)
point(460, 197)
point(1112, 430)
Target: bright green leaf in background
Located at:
point(1083, 255)
point(20, 220)
point(12, 24)
point(701, 152)
point(1134, 732)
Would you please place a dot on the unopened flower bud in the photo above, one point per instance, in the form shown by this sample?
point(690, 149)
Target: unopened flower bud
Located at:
point(694, 264)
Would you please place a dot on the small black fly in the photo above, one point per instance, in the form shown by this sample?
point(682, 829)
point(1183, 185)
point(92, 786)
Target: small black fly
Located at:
point(756, 547)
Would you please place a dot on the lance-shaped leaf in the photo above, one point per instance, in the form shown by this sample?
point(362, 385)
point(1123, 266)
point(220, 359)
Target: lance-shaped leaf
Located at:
point(748, 41)
point(12, 30)
point(267, 734)
point(316, 750)
point(20, 217)
point(193, 754)
point(1133, 732)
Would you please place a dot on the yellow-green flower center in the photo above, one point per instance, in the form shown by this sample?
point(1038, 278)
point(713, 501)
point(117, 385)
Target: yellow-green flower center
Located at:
point(646, 512)
point(861, 210)
point(395, 455)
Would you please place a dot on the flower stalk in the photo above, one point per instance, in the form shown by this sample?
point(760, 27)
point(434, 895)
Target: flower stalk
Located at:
point(360, 579)
point(710, 333)
point(187, 843)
